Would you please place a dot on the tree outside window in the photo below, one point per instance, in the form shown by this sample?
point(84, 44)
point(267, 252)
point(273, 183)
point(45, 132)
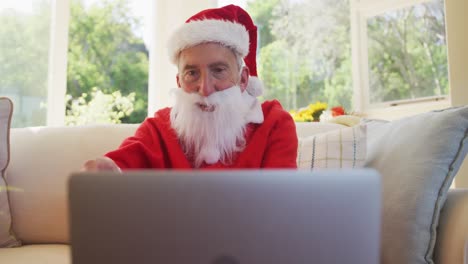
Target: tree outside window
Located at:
point(305, 52)
point(24, 54)
point(107, 78)
point(407, 53)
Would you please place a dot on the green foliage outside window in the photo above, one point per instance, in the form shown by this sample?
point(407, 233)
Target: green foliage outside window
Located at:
point(408, 53)
point(98, 108)
point(305, 52)
point(24, 55)
point(105, 55)
point(304, 48)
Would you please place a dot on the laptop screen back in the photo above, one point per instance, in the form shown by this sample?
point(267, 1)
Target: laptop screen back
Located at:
point(225, 217)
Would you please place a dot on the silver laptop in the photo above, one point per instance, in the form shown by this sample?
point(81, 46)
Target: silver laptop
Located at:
point(226, 217)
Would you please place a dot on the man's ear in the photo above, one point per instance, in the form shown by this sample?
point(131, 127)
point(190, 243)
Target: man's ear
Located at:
point(178, 81)
point(244, 78)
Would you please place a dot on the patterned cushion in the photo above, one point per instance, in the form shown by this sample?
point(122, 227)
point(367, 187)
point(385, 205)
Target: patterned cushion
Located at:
point(339, 148)
point(7, 239)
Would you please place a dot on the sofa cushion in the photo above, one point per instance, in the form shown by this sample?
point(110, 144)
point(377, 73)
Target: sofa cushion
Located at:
point(7, 238)
point(452, 232)
point(339, 148)
point(418, 158)
point(42, 159)
point(40, 254)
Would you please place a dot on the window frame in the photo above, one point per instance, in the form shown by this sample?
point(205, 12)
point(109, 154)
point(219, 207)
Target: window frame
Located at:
point(57, 70)
point(361, 11)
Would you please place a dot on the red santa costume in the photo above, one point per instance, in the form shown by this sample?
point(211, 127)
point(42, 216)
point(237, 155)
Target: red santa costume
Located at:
point(270, 139)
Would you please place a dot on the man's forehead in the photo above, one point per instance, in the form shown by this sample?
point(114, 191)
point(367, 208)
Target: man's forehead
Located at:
point(194, 58)
point(210, 45)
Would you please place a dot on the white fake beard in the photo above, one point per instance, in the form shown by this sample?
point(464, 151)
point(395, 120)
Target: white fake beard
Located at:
point(210, 136)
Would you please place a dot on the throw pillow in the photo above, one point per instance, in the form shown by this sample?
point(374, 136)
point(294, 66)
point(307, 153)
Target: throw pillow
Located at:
point(347, 120)
point(418, 158)
point(7, 239)
point(340, 148)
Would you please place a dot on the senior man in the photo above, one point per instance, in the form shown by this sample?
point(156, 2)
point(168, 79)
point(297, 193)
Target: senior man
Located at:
point(217, 121)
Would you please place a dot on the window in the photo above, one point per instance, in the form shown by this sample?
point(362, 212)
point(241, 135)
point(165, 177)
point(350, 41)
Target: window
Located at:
point(24, 55)
point(304, 51)
point(107, 80)
point(309, 51)
point(404, 53)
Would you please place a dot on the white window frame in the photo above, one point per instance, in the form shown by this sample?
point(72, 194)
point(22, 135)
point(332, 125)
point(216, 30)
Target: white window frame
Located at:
point(361, 11)
point(57, 70)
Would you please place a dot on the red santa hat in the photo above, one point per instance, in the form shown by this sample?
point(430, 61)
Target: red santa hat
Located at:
point(230, 26)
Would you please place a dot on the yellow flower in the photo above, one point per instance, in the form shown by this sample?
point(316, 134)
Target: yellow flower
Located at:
point(310, 113)
point(318, 106)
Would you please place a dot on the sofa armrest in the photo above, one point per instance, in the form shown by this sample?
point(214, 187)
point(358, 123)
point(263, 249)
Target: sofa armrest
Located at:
point(452, 232)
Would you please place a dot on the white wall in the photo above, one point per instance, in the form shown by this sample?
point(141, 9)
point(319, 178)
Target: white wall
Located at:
point(457, 38)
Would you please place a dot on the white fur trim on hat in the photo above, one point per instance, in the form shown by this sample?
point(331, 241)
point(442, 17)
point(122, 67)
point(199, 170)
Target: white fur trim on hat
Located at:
point(255, 86)
point(190, 34)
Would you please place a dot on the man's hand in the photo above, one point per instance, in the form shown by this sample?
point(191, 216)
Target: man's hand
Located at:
point(100, 164)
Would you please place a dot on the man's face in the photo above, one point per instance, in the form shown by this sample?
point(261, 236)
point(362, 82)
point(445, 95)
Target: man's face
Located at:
point(210, 109)
point(208, 68)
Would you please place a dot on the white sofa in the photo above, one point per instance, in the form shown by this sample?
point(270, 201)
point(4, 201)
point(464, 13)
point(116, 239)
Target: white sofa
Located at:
point(42, 158)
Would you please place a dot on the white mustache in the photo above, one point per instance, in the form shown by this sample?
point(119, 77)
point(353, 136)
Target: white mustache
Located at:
point(206, 107)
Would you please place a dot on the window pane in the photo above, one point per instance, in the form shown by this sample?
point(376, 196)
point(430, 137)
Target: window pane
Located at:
point(407, 53)
point(107, 78)
point(24, 55)
point(304, 51)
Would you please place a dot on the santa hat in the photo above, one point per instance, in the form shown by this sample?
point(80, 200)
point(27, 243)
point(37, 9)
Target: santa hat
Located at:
point(230, 26)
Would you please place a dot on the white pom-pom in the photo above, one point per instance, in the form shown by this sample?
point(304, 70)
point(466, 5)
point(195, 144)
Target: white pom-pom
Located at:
point(255, 86)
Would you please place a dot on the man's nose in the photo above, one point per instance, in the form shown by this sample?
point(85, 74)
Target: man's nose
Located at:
point(206, 85)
